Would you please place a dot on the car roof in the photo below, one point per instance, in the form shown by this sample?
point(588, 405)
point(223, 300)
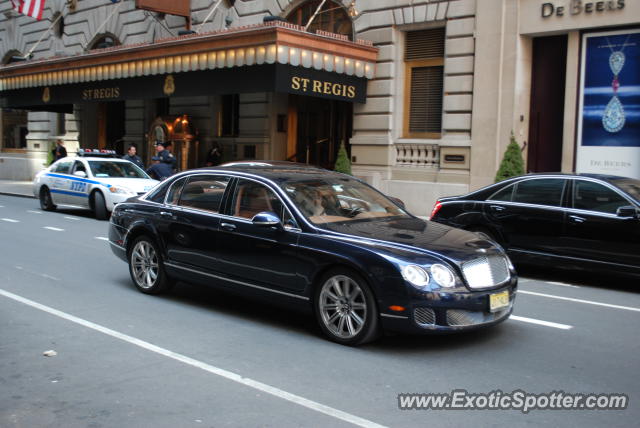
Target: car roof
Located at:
point(96, 158)
point(274, 170)
point(572, 174)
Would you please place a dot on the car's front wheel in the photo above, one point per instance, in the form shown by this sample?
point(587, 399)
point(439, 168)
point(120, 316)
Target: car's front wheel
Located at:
point(99, 206)
point(146, 267)
point(345, 308)
point(46, 203)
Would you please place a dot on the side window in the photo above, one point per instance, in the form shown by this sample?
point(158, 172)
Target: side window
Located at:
point(252, 198)
point(505, 194)
point(544, 191)
point(63, 167)
point(204, 192)
point(157, 194)
point(174, 191)
point(592, 196)
point(78, 166)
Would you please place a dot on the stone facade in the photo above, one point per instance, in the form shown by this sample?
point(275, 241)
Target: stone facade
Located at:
point(487, 83)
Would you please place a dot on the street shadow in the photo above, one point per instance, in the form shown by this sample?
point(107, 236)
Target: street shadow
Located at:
point(301, 321)
point(75, 212)
point(247, 307)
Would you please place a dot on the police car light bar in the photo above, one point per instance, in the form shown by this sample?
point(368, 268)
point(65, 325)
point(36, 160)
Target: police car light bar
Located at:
point(97, 152)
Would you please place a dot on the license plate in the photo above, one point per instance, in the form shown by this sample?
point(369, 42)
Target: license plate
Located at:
point(498, 301)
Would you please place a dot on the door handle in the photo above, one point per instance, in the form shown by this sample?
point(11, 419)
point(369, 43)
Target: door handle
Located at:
point(577, 219)
point(166, 214)
point(498, 208)
point(228, 226)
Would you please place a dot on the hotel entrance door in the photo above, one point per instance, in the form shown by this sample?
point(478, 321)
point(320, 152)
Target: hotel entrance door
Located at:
point(320, 127)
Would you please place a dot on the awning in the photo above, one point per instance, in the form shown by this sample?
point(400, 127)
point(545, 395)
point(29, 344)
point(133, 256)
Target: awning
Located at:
point(274, 56)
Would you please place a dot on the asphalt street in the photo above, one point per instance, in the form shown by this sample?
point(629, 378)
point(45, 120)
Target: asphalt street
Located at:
point(203, 358)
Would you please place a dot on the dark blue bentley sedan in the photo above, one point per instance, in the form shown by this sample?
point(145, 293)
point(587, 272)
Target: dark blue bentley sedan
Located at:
point(316, 238)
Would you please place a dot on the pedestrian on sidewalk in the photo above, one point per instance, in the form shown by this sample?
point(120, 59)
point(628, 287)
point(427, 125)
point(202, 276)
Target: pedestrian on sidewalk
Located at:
point(131, 156)
point(59, 152)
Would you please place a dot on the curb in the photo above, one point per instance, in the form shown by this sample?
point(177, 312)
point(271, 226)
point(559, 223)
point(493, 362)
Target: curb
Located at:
point(18, 195)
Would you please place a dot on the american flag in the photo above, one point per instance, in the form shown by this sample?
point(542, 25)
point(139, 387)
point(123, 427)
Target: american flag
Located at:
point(31, 8)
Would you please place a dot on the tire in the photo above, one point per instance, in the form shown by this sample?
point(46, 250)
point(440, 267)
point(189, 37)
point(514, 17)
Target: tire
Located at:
point(46, 203)
point(345, 308)
point(146, 267)
point(100, 207)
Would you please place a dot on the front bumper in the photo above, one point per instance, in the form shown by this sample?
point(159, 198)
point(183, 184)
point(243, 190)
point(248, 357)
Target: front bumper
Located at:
point(449, 312)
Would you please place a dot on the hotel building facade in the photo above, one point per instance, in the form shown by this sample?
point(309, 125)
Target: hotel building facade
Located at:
point(425, 95)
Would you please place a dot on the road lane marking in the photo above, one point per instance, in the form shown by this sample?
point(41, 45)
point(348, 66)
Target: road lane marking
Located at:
point(277, 392)
point(562, 284)
point(34, 212)
point(71, 218)
point(102, 238)
point(56, 229)
point(588, 302)
point(44, 275)
point(540, 322)
point(10, 220)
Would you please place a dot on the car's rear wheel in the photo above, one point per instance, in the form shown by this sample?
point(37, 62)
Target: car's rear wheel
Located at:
point(99, 206)
point(345, 308)
point(146, 267)
point(46, 203)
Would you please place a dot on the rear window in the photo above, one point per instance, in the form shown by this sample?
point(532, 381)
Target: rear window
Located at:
point(505, 194)
point(204, 192)
point(543, 191)
point(62, 167)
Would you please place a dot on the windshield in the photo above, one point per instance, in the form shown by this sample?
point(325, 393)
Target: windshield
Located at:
point(116, 169)
point(339, 199)
point(629, 185)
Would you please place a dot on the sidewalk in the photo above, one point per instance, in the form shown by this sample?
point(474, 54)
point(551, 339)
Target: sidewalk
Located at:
point(16, 188)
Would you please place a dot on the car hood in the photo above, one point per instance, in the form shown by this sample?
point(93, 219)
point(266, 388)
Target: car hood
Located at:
point(138, 185)
point(403, 235)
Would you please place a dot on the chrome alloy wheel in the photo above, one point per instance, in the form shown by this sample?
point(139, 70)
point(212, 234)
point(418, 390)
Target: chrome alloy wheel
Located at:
point(144, 262)
point(343, 307)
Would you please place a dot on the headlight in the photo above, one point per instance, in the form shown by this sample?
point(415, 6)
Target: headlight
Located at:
point(510, 263)
point(121, 190)
point(416, 276)
point(443, 275)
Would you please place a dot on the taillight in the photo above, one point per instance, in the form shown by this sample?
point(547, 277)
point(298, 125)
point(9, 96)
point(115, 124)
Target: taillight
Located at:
point(435, 209)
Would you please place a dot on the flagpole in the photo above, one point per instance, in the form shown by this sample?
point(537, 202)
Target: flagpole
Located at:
point(115, 9)
point(42, 36)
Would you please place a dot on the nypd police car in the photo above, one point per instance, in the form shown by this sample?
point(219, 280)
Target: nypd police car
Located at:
point(96, 179)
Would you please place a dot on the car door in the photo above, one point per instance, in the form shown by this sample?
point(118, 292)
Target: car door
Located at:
point(60, 182)
point(189, 220)
point(529, 214)
point(260, 255)
point(78, 186)
point(595, 231)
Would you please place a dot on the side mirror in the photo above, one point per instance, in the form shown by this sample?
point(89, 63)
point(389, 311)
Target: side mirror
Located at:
point(80, 174)
point(267, 219)
point(627, 211)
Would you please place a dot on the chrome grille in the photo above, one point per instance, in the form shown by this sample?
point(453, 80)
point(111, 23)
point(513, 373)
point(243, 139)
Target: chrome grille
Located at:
point(486, 271)
point(424, 316)
point(461, 317)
